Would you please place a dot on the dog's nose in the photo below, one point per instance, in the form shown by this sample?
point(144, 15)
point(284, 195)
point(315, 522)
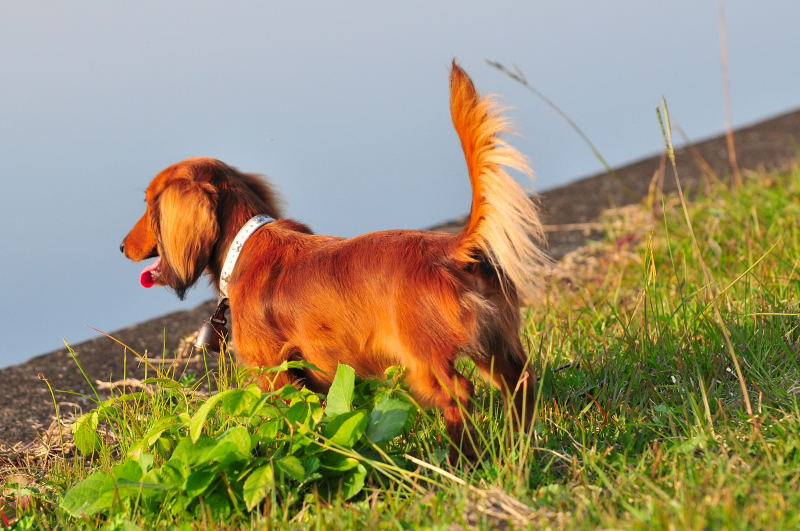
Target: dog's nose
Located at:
point(122, 247)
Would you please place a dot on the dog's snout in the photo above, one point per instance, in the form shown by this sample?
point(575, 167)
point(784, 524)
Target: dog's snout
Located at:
point(122, 247)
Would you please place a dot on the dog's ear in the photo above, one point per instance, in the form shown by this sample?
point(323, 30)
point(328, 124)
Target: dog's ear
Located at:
point(186, 227)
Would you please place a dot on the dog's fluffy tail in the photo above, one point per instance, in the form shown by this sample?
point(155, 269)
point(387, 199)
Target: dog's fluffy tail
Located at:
point(503, 222)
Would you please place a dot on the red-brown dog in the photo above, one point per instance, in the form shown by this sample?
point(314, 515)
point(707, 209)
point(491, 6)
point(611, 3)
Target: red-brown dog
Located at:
point(403, 297)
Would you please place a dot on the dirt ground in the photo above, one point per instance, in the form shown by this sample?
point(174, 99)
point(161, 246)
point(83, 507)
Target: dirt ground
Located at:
point(26, 406)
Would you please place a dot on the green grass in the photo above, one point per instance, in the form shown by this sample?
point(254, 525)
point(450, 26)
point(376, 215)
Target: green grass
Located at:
point(648, 428)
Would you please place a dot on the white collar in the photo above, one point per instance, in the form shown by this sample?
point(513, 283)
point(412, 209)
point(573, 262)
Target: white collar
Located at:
point(236, 248)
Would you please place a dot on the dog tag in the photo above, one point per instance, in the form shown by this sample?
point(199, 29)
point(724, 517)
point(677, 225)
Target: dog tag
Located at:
point(212, 336)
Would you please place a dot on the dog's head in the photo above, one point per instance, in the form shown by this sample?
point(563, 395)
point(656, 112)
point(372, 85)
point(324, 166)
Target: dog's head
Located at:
point(189, 206)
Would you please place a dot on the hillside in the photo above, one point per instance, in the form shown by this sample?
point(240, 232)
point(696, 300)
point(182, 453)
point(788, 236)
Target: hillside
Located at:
point(570, 212)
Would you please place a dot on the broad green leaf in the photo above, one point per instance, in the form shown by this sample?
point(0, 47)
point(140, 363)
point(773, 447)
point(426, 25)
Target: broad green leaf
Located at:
point(129, 470)
point(152, 437)
point(164, 446)
point(154, 488)
point(144, 485)
point(84, 432)
point(128, 476)
point(293, 364)
point(160, 427)
point(258, 485)
point(119, 523)
point(199, 418)
point(191, 453)
point(298, 413)
point(291, 466)
point(311, 464)
point(316, 412)
point(336, 462)
point(239, 437)
point(90, 496)
point(387, 419)
point(239, 401)
point(268, 430)
point(172, 474)
point(143, 490)
point(340, 395)
point(288, 392)
point(301, 441)
point(233, 445)
point(219, 501)
point(346, 429)
point(145, 461)
point(265, 409)
point(353, 481)
point(198, 482)
point(153, 434)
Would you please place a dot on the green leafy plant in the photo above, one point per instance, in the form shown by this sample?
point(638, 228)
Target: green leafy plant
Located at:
point(240, 448)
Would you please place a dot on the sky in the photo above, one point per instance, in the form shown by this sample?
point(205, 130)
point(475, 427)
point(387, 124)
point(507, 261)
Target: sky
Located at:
point(343, 105)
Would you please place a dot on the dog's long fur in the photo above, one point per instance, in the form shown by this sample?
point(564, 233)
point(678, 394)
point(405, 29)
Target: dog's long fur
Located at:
point(402, 297)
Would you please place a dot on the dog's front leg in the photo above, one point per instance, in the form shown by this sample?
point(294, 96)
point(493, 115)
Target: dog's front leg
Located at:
point(262, 353)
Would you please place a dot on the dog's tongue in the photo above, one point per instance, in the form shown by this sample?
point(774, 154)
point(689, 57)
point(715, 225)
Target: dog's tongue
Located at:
point(148, 274)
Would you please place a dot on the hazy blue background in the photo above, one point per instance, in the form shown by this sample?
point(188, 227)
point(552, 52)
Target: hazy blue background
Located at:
point(344, 106)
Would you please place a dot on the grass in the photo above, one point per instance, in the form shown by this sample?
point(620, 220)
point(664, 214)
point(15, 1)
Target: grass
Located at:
point(647, 428)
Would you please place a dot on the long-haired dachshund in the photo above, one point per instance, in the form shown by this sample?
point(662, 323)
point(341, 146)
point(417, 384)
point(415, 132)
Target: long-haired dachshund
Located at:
point(414, 298)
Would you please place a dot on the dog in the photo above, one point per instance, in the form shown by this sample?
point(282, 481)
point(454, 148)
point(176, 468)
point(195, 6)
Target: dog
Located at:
point(418, 299)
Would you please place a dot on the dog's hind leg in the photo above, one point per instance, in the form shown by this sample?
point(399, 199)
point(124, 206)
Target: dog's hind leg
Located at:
point(505, 365)
point(440, 385)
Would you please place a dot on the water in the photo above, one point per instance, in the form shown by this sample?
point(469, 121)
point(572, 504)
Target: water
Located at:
point(343, 105)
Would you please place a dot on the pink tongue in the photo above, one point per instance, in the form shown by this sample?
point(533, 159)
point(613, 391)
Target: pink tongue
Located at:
point(146, 278)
